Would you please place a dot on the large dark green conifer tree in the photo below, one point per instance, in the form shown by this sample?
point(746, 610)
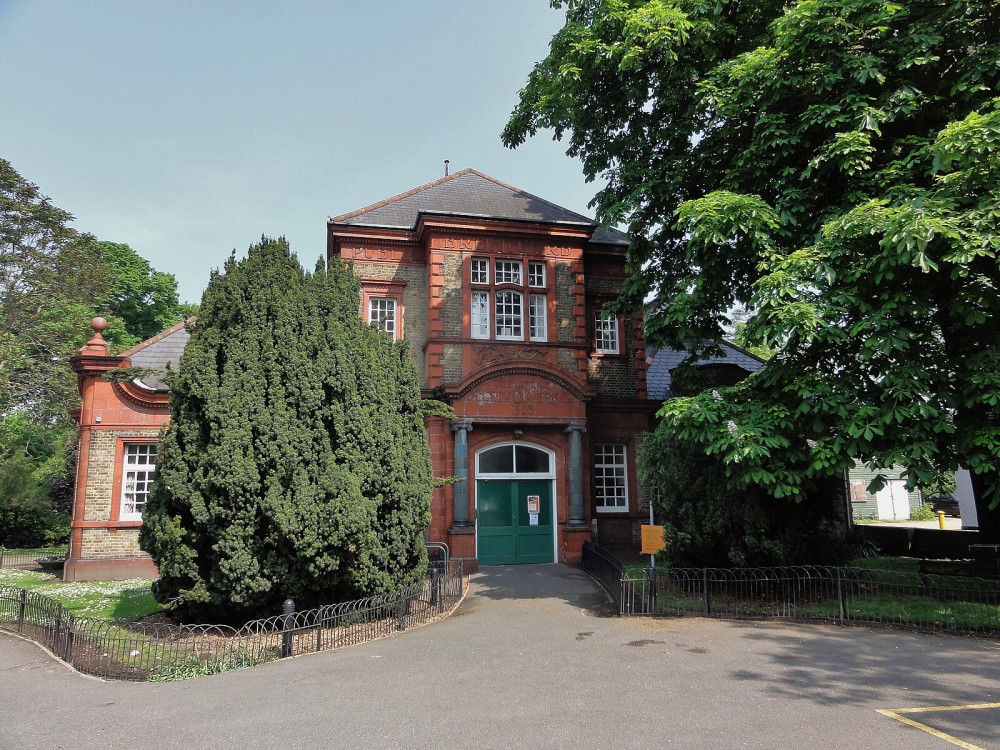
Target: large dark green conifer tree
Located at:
point(296, 462)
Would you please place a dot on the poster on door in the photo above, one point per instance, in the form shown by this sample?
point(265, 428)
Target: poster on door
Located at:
point(533, 503)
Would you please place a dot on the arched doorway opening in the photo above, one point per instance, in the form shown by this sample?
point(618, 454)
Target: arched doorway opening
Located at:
point(515, 509)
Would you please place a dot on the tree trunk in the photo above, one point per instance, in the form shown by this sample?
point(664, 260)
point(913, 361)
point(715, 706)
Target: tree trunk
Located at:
point(989, 520)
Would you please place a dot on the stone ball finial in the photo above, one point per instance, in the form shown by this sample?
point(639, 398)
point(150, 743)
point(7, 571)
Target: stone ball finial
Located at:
point(97, 346)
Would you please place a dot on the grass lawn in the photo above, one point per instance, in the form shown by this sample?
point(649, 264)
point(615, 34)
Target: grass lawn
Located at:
point(893, 590)
point(107, 600)
point(920, 610)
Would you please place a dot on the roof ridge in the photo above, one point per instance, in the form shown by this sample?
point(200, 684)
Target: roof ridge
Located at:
point(407, 194)
point(158, 337)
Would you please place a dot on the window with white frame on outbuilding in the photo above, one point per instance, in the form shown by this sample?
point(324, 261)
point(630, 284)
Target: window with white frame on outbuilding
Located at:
point(138, 472)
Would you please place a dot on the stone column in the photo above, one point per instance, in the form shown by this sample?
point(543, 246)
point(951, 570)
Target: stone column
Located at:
point(575, 432)
point(461, 487)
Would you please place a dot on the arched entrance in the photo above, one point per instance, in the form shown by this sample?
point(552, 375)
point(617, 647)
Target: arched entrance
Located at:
point(515, 517)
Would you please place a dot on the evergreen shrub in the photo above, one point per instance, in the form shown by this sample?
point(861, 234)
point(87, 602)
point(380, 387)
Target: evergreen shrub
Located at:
point(296, 463)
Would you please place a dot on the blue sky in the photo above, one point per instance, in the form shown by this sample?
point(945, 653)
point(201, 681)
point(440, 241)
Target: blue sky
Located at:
point(189, 129)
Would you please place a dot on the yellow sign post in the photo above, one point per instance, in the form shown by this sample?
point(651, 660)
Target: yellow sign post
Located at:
point(652, 539)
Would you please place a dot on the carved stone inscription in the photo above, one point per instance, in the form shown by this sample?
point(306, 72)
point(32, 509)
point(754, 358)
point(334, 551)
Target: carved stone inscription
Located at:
point(384, 254)
point(504, 246)
point(520, 396)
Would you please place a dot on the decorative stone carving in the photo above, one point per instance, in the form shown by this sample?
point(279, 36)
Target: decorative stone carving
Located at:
point(494, 353)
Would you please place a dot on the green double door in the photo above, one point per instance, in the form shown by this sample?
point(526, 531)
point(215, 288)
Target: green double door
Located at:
point(509, 532)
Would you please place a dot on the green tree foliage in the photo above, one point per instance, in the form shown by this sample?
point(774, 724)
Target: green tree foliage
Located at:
point(51, 280)
point(296, 462)
point(833, 164)
point(142, 302)
point(709, 523)
point(32, 460)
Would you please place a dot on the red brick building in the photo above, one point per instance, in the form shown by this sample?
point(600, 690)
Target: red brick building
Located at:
point(119, 424)
point(502, 297)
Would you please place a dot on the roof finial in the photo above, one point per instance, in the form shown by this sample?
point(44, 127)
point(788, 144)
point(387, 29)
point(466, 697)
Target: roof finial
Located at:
point(446, 167)
point(96, 346)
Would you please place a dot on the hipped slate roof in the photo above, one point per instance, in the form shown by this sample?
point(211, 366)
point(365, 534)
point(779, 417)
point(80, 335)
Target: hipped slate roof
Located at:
point(474, 194)
point(663, 361)
point(156, 353)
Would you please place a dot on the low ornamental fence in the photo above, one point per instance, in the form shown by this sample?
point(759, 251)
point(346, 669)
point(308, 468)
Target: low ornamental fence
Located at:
point(158, 652)
point(32, 559)
point(839, 594)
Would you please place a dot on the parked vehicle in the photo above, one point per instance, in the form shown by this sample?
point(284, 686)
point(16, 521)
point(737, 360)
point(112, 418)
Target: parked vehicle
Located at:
point(948, 503)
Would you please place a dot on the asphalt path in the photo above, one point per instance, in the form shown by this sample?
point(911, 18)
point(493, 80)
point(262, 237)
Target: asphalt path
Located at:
point(532, 658)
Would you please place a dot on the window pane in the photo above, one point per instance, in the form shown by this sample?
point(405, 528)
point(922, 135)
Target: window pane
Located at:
point(382, 314)
point(508, 315)
point(480, 271)
point(508, 272)
point(606, 334)
point(497, 460)
point(610, 477)
point(536, 317)
point(479, 315)
point(531, 460)
point(138, 473)
point(536, 274)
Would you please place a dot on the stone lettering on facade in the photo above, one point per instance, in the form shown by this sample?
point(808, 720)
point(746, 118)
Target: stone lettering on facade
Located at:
point(381, 254)
point(520, 396)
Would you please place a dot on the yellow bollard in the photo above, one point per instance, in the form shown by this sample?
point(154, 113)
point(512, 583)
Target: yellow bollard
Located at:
point(940, 515)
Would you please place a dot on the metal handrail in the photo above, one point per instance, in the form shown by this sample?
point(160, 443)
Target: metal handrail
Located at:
point(441, 546)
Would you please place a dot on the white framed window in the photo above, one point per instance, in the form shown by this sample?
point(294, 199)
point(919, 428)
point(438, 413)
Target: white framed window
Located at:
point(606, 333)
point(508, 272)
point(138, 471)
point(537, 304)
point(480, 315)
point(536, 274)
point(501, 312)
point(610, 478)
point(480, 270)
point(382, 314)
point(507, 314)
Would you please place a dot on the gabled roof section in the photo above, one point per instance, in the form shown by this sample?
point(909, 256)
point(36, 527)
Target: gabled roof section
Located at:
point(474, 194)
point(165, 348)
point(661, 363)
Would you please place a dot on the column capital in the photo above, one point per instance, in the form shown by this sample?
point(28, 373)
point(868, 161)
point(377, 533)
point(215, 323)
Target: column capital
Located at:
point(461, 424)
point(581, 428)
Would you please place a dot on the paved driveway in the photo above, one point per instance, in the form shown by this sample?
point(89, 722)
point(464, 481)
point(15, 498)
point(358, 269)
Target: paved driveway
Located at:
point(530, 660)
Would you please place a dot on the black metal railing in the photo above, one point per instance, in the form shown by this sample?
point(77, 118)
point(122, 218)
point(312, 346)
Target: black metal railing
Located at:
point(164, 651)
point(841, 594)
point(48, 559)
